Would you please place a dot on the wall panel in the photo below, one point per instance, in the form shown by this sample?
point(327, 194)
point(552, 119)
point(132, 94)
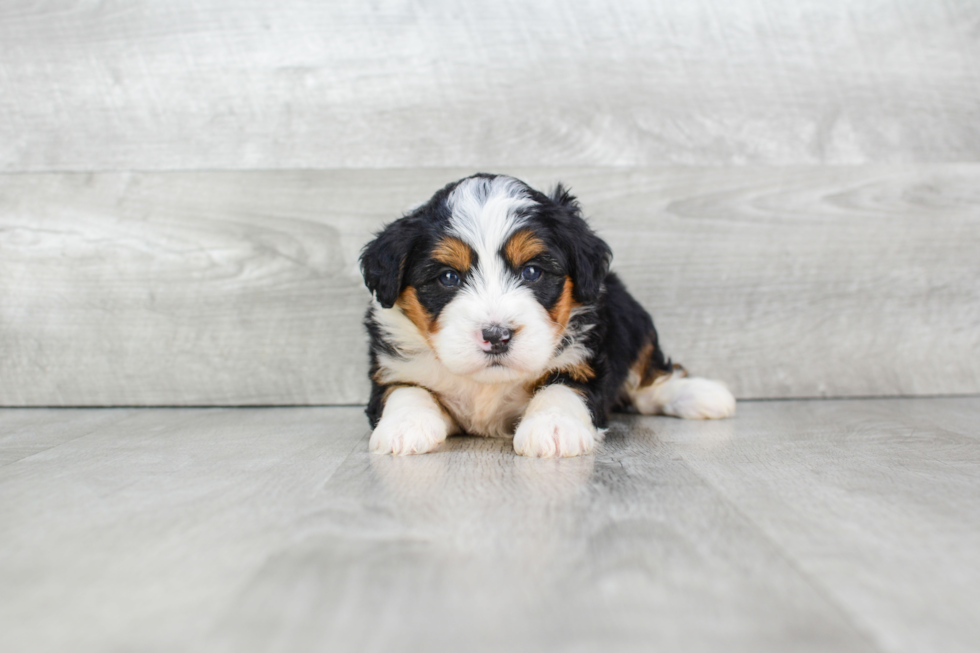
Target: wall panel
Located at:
point(242, 287)
point(246, 84)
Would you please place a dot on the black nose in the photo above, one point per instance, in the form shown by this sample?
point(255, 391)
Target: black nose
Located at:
point(498, 337)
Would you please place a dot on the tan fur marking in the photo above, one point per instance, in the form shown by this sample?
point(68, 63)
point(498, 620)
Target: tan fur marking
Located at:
point(539, 384)
point(562, 310)
point(408, 301)
point(522, 247)
point(641, 368)
point(536, 384)
point(580, 372)
point(454, 253)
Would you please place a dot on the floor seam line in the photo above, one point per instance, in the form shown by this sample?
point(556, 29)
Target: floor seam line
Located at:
point(821, 591)
point(69, 441)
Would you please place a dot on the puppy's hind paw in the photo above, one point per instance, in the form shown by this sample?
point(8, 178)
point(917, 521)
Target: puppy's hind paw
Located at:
point(687, 398)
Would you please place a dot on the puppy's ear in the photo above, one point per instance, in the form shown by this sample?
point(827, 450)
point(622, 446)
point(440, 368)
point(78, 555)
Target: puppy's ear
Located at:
point(383, 260)
point(589, 255)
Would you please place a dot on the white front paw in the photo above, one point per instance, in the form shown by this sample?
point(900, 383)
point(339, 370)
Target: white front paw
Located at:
point(553, 434)
point(412, 422)
point(407, 433)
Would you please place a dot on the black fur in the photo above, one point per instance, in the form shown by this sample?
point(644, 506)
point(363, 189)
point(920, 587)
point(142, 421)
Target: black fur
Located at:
point(620, 330)
point(378, 345)
point(589, 255)
point(385, 259)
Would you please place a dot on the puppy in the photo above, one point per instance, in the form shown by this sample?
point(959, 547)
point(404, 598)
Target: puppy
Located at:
point(495, 314)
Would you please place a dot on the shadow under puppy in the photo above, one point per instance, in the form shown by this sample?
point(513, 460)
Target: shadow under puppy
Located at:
point(495, 314)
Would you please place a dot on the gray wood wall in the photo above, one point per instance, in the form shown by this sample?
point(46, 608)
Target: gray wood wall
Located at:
point(791, 186)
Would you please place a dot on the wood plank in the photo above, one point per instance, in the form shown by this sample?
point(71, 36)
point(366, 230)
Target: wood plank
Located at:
point(227, 288)
point(474, 549)
point(135, 536)
point(946, 413)
point(873, 503)
point(29, 431)
point(805, 282)
point(183, 289)
point(247, 84)
point(274, 529)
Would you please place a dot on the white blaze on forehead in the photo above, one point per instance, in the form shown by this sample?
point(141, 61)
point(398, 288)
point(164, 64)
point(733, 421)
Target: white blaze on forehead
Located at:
point(485, 212)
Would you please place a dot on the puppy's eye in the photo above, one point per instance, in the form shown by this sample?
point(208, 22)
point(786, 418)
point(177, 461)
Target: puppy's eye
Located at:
point(449, 278)
point(531, 273)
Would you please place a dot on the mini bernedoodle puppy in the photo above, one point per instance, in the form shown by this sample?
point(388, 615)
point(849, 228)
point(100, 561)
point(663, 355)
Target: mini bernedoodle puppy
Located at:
point(495, 314)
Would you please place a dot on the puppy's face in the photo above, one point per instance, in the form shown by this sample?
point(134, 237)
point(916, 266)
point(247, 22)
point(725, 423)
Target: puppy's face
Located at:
point(488, 272)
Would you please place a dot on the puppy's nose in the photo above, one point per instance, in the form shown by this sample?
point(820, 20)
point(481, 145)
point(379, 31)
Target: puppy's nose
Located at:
point(496, 339)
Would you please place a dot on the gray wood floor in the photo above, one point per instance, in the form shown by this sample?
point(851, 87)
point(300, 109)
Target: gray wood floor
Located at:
point(800, 525)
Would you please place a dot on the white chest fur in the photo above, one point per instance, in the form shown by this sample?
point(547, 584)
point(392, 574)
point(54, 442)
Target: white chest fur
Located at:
point(479, 408)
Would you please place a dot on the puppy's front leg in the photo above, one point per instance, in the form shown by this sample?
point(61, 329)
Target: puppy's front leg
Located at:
point(556, 423)
point(412, 422)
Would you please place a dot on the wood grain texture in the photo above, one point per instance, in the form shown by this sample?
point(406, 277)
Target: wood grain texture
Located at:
point(867, 509)
point(476, 549)
point(298, 84)
point(242, 287)
point(134, 536)
point(797, 526)
point(24, 433)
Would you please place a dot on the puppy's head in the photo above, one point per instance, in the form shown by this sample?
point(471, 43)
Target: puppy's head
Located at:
point(489, 271)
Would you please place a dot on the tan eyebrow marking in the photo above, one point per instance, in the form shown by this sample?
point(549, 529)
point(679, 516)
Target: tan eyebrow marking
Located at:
point(454, 253)
point(522, 247)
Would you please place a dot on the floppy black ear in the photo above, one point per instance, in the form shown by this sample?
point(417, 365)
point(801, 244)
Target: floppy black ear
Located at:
point(589, 256)
point(383, 260)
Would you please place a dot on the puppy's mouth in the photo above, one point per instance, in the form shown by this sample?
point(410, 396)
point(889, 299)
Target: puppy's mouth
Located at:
point(494, 356)
point(495, 340)
point(498, 361)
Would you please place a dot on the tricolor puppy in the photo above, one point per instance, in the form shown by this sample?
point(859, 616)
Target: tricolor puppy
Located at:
point(495, 314)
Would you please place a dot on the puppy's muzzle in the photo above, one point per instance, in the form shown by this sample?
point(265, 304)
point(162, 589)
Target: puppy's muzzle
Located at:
point(496, 339)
